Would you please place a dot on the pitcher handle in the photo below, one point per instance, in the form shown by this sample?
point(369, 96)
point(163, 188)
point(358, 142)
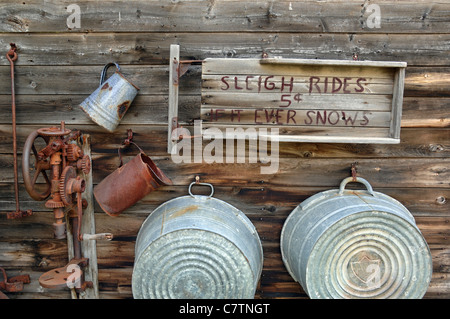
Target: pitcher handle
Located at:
point(105, 69)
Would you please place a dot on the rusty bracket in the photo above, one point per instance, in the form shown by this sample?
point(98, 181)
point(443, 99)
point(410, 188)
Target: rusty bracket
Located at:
point(174, 126)
point(19, 214)
point(126, 143)
point(175, 73)
point(129, 138)
point(354, 171)
point(179, 69)
point(178, 137)
point(13, 284)
point(184, 65)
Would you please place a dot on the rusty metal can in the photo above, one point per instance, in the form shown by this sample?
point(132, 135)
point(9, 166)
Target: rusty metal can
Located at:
point(355, 244)
point(107, 105)
point(128, 184)
point(196, 247)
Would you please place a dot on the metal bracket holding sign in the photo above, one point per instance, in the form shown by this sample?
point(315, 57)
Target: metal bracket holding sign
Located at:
point(173, 94)
point(177, 68)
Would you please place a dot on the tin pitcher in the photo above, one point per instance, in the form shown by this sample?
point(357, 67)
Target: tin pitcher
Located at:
point(110, 101)
point(129, 183)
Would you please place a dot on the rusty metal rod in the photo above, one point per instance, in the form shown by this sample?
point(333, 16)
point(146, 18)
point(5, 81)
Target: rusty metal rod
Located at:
point(76, 223)
point(12, 56)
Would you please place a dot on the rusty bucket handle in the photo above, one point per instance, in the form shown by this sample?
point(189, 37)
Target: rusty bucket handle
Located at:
point(105, 69)
point(358, 180)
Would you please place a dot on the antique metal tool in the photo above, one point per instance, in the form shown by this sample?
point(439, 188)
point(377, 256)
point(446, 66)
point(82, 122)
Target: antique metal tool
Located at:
point(18, 213)
point(12, 284)
point(57, 163)
point(54, 177)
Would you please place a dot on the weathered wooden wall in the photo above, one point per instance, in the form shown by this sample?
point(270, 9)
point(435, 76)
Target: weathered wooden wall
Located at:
point(58, 67)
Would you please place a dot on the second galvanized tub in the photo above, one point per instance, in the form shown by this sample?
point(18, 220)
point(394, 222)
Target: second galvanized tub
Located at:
point(196, 247)
point(355, 244)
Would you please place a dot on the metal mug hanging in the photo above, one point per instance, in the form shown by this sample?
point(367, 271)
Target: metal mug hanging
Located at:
point(107, 105)
point(129, 183)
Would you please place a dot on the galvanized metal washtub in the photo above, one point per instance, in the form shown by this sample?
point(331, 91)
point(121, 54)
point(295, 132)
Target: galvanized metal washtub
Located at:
point(355, 244)
point(196, 247)
point(107, 105)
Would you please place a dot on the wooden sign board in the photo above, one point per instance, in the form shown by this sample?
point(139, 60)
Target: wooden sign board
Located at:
point(326, 101)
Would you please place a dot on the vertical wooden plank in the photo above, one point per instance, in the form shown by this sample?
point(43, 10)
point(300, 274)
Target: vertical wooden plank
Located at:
point(397, 101)
point(89, 247)
point(173, 96)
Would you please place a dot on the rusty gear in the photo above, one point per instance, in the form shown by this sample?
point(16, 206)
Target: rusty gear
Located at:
point(67, 174)
point(86, 164)
point(74, 152)
point(51, 203)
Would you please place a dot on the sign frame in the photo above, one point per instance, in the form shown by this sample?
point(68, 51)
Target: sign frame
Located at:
point(234, 78)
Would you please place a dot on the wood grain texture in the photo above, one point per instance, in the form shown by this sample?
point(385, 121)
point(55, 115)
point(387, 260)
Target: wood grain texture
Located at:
point(153, 48)
point(255, 201)
point(416, 142)
point(115, 274)
point(423, 81)
point(230, 16)
point(395, 172)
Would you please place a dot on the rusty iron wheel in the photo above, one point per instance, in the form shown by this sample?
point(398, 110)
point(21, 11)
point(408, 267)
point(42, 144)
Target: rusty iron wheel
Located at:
point(31, 174)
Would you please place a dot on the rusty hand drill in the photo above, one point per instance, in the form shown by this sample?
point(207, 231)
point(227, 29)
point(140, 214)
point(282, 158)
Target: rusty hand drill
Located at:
point(58, 163)
point(60, 159)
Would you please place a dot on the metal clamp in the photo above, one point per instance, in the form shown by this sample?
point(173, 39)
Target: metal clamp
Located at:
point(197, 179)
point(358, 180)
